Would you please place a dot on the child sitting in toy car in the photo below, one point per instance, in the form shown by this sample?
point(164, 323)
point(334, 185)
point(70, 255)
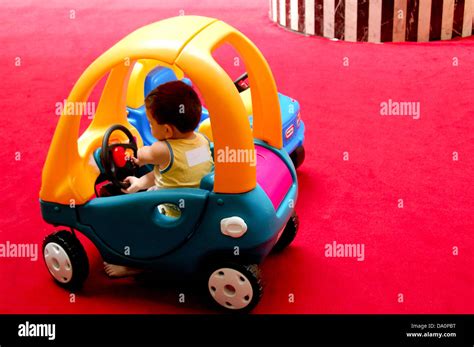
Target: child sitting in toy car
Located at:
point(181, 156)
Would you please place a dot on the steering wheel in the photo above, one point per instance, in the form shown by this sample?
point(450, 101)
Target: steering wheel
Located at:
point(116, 165)
point(241, 84)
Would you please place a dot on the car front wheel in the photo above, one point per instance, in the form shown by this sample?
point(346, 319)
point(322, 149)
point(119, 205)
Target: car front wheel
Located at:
point(66, 259)
point(236, 287)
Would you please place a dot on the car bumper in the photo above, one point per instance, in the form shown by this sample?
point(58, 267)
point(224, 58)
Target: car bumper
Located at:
point(296, 140)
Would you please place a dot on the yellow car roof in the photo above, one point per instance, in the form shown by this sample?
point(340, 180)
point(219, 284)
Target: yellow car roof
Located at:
point(186, 43)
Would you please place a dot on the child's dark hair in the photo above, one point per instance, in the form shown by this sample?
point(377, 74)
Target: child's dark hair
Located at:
point(175, 103)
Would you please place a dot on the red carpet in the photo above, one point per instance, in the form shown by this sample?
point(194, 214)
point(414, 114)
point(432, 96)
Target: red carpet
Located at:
point(408, 250)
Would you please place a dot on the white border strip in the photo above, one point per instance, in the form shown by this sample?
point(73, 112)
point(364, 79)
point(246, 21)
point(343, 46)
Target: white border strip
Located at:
point(294, 14)
point(468, 16)
point(328, 14)
point(350, 21)
point(399, 20)
point(424, 21)
point(447, 21)
point(282, 13)
point(309, 17)
point(375, 20)
point(274, 10)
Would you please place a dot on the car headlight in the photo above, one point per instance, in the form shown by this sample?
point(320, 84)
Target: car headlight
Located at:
point(289, 131)
point(233, 226)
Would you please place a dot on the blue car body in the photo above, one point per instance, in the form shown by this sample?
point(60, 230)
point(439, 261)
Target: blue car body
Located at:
point(128, 229)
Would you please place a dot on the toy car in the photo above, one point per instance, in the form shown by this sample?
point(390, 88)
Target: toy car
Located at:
point(227, 226)
point(152, 75)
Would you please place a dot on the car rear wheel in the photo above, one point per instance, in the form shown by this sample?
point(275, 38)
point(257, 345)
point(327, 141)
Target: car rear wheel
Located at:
point(297, 156)
point(66, 259)
point(288, 234)
point(236, 287)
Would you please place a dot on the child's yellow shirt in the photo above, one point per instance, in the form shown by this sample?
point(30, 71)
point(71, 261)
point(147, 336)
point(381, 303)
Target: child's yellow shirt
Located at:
point(190, 161)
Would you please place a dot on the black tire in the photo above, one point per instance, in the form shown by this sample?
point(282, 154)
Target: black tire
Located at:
point(288, 234)
point(251, 279)
point(77, 264)
point(297, 156)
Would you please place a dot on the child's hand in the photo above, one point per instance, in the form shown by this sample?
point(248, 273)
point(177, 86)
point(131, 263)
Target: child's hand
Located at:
point(134, 185)
point(134, 160)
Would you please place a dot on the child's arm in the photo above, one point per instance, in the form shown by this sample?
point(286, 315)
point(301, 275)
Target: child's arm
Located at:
point(156, 154)
point(136, 184)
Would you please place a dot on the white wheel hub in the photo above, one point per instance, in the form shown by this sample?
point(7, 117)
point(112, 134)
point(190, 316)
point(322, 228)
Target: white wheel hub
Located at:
point(230, 288)
point(58, 262)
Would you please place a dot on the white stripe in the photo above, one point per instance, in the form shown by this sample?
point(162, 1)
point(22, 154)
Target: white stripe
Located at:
point(294, 14)
point(375, 20)
point(424, 18)
point(282, 12)
point(467, 20)
point(274, 10)
point(447, 22)
point(399, 20)
point(328, 11)
point(309, 17)
point(350, 21)
point(273, 13)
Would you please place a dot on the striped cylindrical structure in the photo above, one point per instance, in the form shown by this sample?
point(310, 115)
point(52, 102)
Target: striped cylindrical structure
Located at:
point(376, 20)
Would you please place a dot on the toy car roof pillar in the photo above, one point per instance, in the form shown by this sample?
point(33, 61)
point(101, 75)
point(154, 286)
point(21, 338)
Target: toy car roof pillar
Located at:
point(186, 42)
point(228, 119)
point(266, 106)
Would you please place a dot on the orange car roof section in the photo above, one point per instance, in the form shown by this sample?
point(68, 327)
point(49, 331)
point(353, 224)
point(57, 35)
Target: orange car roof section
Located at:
point(68, 175)
point(229, 124)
